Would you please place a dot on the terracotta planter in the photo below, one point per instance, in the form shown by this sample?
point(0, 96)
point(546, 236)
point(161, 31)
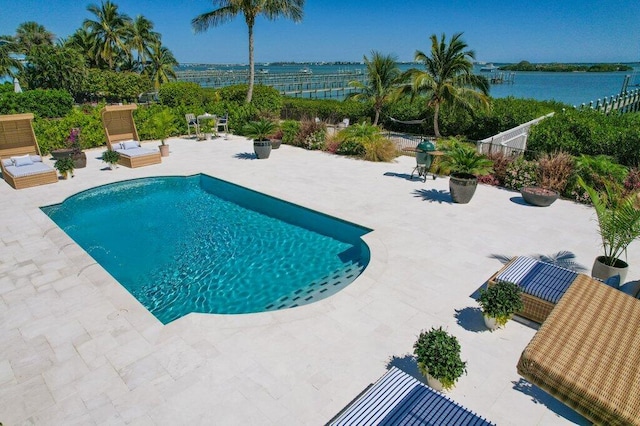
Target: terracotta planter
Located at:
point(540, 197)
point(462, 186)
point(603, 271)
point(164, 150)
point(262, 149)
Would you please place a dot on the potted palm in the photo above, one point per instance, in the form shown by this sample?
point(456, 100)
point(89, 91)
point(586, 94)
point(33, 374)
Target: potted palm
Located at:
point(499, 302)
point(259, 131)
point(438, 356)
point(163, 126)
point(111, 158)
point(465, 165)
point(619, 225)
point(65, 167)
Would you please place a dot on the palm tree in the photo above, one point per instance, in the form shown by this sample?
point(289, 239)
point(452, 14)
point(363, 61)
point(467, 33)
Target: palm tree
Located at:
point(109, 31)
point(161, 63)
point(382, 75)
point(84, 42)
point(30, 34)
point(448, 77)
point(9, 65)
point(251, 9)
point(142, 37)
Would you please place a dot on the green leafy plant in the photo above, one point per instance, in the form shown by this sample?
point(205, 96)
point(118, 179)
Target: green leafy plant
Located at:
point(110, 157)
point(163, 124)
point(438, 355)
point(501, 301)
point(259, 130)
point(64, 166)
point(464, 159)
point(618, 219)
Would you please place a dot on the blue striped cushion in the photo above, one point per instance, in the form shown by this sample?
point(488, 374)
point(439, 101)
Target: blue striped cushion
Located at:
point(399, 399)
point(543, 280)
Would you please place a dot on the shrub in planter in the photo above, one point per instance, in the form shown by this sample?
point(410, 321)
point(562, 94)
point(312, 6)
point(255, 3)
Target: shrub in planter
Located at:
point(465, 164)
point(500, 302)
point(64, 166)
point(555, 171)
point(110, 157)
point(438, 356)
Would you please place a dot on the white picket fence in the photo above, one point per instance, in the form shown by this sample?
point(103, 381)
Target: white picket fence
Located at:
point(509, 142)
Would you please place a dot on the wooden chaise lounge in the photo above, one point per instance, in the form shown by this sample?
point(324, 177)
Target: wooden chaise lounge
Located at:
point(21, 160)
point(542, 284)
point(122, 137)
point(587, 354)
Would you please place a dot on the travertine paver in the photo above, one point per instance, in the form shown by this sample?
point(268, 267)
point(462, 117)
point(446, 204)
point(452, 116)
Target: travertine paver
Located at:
point(77, 348)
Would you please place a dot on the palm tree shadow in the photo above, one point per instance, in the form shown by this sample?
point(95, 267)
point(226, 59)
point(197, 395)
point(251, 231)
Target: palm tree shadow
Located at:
point(563, 258)
point(538, 396)
point(433, 195)
point(245, 156)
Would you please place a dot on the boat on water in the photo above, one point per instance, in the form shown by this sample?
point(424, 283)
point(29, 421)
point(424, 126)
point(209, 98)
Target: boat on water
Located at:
point(488, 68)
point(263, 71)
point(305, 70)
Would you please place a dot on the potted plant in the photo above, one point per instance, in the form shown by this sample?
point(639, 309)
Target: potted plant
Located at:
point(259, 131)
point(619, 225)
point(163, 126)
point(464, 164)
point(111, 158)
point(499, 302)
point(438, 356)
point(538, 196)
point(73, 150)
point(65, 167)
point(276, 138)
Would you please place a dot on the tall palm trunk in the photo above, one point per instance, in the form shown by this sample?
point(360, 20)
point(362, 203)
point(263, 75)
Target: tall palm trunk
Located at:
point(377, 117)
point(436, 127)
point(251, 65)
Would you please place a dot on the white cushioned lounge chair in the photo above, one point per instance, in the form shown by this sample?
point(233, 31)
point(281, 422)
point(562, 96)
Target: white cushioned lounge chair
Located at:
point(122, 137)
point(21, 161)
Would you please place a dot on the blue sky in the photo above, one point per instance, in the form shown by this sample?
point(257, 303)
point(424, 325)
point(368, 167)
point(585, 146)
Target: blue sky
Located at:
point(343, 30)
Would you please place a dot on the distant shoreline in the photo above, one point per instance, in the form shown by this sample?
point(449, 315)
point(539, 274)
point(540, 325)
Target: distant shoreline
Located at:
point(564, 67)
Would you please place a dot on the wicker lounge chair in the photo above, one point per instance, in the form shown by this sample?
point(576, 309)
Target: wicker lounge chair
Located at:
point(587, 354)
point(122, 136)
point(542, 284)
point(21, 164)
point(398, 398)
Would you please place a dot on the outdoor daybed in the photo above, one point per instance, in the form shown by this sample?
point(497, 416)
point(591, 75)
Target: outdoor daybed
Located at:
point(587, 354)
point(399, 399)
point(21, 161)
point(122, 137)
point(542, 284)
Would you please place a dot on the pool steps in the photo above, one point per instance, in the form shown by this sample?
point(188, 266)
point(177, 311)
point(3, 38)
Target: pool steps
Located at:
point(321, 288)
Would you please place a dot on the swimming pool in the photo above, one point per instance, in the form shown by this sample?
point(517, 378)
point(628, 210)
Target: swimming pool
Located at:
point(200, 244)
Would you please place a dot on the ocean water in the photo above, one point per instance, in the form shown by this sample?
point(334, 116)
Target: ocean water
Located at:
point(572, 88)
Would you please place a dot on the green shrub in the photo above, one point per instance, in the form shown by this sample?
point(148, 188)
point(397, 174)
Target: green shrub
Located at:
point(147, 129)
point(265, 98)
point(112, 86)
point(42, 103)
point(351, 147)
point(53, 134)
point(329, 110)
point(438, 355)
point(311, 135)
point(290, 129)
point(177, 93)
point(501, 301)
point(521, 173)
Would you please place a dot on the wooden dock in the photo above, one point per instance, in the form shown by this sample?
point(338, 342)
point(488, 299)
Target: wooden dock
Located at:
point(295, 84)
point(627, 101)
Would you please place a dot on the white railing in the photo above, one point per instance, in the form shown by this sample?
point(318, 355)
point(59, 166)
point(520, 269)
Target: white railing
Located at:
point(512, 141)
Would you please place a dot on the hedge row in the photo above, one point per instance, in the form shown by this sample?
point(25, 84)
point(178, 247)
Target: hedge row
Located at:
point(42, 103)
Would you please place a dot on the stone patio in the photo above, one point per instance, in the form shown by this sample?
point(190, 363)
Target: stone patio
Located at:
point(77, 348)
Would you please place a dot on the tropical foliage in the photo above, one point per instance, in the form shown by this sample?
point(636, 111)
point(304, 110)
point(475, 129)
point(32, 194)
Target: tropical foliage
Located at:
point(9, 64)
point(463, 158)
point(618, 219)
point(382, 77)
point(447, 79)
point(250, 9)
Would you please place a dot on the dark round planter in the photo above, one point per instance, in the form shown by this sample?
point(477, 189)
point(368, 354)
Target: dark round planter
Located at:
point(462, 186)
point(79, 159)
point(538, 196)
point(262, 149)
point(275, 143)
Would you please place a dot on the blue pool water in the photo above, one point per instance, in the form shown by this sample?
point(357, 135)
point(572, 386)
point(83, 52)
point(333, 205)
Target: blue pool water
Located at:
point(199, 244)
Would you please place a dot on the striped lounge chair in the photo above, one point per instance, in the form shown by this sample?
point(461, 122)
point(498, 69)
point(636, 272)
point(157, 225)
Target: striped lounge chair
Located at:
point(587, 354)
point(399, 399)
point(542, 284)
